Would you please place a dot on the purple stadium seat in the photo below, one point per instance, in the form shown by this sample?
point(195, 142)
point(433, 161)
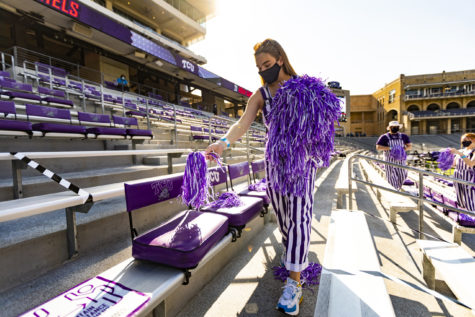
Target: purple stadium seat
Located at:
point(21, 91)
point(127, 121)
point(4, 74)
point(54, 97)
point(54, 113)
point(6, 108)
point(237, 216)
point(242, 169)
point(196, 133)
point(86, 118)
point(180, 242)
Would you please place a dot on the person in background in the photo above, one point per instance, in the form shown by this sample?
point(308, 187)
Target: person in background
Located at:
point(395, 176)
point(215, 109)
point(465, 170)
point(122, 83)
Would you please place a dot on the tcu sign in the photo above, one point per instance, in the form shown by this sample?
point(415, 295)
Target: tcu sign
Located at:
point(188, 66)
point(214, 176)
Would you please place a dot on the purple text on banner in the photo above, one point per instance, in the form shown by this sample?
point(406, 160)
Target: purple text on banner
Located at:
point(95, 297)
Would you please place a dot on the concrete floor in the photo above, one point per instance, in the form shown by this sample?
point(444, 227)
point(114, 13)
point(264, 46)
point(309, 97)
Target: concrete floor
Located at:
point(246, 286)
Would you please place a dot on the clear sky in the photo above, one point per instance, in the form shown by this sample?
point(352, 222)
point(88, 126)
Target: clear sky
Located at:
point(363, 44)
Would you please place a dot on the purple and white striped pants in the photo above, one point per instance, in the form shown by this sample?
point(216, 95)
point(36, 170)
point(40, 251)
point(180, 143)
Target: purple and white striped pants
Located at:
point(294, 218)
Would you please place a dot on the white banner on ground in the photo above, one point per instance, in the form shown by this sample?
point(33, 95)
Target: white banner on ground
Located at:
point(95, 297)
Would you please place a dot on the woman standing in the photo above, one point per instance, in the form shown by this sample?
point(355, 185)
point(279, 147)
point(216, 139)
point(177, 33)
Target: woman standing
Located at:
point(464, 170)
point(294, 214)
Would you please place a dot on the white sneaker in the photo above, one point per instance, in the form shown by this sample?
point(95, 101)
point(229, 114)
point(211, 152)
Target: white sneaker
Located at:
point(291, 298)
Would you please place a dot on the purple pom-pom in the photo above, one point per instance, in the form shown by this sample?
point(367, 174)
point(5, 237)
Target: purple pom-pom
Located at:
point(260, 186)
point(398, 153)
point(445, 160)
point(301, 133)
point(185, 233)
point(196, 182)
point(227, 200)
point(216, 158)
point(466, 220)
point(308, 277)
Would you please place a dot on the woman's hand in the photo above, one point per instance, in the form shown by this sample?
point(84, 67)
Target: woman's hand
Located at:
point(216, 147)
point(455, 151)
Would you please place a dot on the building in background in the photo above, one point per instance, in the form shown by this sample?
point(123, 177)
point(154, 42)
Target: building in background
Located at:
point(343, 126)
point(441, 103)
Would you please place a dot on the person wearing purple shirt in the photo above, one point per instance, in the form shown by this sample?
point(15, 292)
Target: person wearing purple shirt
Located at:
point(389, 143)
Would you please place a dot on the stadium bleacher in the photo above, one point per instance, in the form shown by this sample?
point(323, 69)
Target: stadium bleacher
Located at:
point(102, 139)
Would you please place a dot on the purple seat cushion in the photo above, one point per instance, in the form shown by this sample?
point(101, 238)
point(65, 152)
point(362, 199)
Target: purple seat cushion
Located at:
point(105, 130)
point(23, 95)
point(239, 216)
point(57, 100)
point(181, 244)
point(15, 125)
point(60, 128)
point(253, 193)
point(139, 132)
point(200, 137)
point(408, 182)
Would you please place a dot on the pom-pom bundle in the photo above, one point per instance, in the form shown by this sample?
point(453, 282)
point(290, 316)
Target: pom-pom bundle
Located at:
point(196, 182)
point(300, 133)
point(227, 200)
point(445, 160)
point(398, 153)
point(260, 186)
point(308, 277)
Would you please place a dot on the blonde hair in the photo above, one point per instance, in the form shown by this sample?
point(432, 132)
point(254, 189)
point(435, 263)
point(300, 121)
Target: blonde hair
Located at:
point(273, 48)
point(467, 135)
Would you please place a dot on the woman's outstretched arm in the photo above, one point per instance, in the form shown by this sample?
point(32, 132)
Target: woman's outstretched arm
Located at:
point(237, 130)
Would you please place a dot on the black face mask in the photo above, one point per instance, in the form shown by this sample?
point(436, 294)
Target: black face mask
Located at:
point(394, 129)
point(466, 143)
point(270, 75)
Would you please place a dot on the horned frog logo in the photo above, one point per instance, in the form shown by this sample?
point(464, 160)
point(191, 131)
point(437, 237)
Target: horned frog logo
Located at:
point(51, 112)
point(162, 189)
point(241, 170)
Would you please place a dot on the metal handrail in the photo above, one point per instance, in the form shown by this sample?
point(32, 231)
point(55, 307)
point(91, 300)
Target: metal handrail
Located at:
point(420, 198)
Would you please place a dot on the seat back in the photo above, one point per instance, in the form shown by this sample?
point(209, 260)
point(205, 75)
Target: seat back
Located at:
point(15, 85)
point(148, 193)
point(48, 112)
point(257, 166)
point(238, 170)
point(51, 92)
point(7, 107)
point(217, 176)
point(196, 129)
point(125, 121)
point(93, 117)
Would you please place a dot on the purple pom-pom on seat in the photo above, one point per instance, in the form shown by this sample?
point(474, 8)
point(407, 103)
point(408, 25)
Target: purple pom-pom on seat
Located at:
point(260, 186)
point(398, 153)
point(300, 133)
point(227, 200)
point(445, 160)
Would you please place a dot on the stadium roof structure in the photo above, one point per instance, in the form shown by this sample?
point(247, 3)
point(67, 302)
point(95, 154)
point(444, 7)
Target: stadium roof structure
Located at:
point(94, 24)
